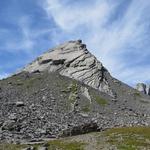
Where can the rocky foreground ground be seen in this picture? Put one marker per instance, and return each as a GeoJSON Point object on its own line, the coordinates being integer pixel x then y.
{"type": "Point", "coordinates": [133, 138]}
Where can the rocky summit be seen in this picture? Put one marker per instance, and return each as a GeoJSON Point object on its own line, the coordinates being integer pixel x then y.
{"type": "Point", "coordinates": [64, 92]}
{"type": "Point", "coordinates": [73, 60]}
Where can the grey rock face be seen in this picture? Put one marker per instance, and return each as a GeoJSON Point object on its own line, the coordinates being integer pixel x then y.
{"type": "Point", "coordinates": [143, 88]}
{"type": "Point", "coordinates": [148, 89]}
{"type": "Point", "coordinates": [85, 92]}
{"type": "Point", "coordinates": [72, 59]}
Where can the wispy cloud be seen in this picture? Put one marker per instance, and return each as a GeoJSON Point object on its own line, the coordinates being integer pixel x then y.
{"type": "Point", "coordinates": [21, 44]}
{"type": "Point", "coordinates": [117, 32]}
{"type": "Point", "coordinates": [23, 40]}
{"type": "Point", "coordinates": [3, 75]}
{"type": "Point", "coordinates": [25, 33]}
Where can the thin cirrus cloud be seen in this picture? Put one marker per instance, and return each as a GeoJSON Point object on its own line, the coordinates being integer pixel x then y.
{"type": "Point", "coordinates": [24, 41]}
{"type": "Point", "coordinates": [117, 32]}
{"type": "Point", "coordinates": [24, 34]}
{"type": "Point", "coordinates": [16, 46]}
{"type": "Point", "coordinates": [23, 38]}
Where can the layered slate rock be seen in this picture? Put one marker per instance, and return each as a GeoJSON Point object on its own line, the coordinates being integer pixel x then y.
{"type": "Point", "coordinates": [143, 88]}
{"type": "Point", "coordinates": [72, 59]}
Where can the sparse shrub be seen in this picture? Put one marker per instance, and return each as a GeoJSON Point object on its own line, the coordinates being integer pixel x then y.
{"type": "Point", "coordinates": [101, 101]}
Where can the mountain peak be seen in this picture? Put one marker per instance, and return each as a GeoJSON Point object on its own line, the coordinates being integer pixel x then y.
{"type": "Point", "coordinates": [72, 59]}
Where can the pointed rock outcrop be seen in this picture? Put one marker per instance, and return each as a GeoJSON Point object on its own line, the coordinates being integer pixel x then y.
{"type": "Point", "coordinates": [72, 59]}
{"type": "Point", "coordinates": [143, 88]}
{"type": "Point", "coordinates": [148, 89]}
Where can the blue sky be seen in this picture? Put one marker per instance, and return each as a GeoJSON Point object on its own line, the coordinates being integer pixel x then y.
{"type": "Point", "coordinates": [117, 32]}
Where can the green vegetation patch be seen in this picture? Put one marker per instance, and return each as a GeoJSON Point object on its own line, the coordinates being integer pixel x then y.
{"type": "Point", "coordinates": [52, 145]}
{"type": "Point", "coordinates": [131, 138]}
{"type": "Point", "coordinates": [74, 87]}
{"type": "Point", "coordinates": [31, 81]}
{"type": "Point", "coordinates": [25, 82]}
{"type": "Point", "coordinates": [137, 94]}
{"type": "Point", "coordinates": [64, 145]}
{"type": "Point", "coordinates": [73, 92]}
{"type": "Point", "coordinates": [11, 147]}
{"type": "Point", "coordinates": [101, 101]}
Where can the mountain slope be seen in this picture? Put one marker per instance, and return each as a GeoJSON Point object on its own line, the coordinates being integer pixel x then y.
{"type": "Point", "coordinates": [67, 92]}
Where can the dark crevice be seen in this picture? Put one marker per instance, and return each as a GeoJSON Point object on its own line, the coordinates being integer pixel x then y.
{"type": "Point", "coordinates": [58, 62]}
{"type": "Point", "coordinates": [45, 61]}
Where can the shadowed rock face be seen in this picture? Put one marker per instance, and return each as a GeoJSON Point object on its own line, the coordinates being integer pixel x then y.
{"type": "Point", "coordinates": [143, 88]}
{"type": "Point", "coordinates": [72, 59]}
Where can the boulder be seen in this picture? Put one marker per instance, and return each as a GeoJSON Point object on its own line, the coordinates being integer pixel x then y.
{"type": "Point", "coordinates": [20, 104]}
{"type": "Point", "coordinates": [81, 129]}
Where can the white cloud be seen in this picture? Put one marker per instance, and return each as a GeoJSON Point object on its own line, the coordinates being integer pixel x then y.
{"type": "Point", "coordinates": [3, 75]}
{"type": "Point", "coordinates": [108, 39]}
{"type": "Point", "coordinates": [68, 18]}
